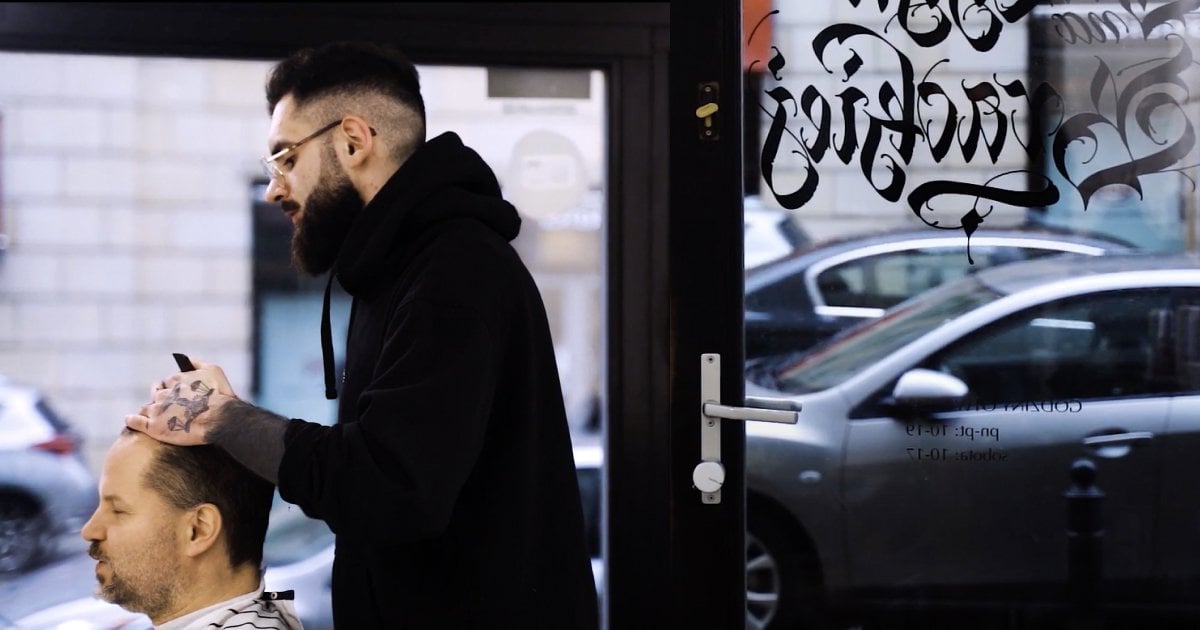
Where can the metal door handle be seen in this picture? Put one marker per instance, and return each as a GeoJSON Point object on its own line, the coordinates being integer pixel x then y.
{"type": "Point", "coordinates": [709, 474]}
{"type": "Point", "coordinates": [754, 412]}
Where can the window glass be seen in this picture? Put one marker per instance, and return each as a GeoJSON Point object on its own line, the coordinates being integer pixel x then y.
{"type": "Point", "coordinates": [1184, 324]}
{"type": "Point", "coordinates": [863, 346]}
{"type": "Point", "coordinates": [1102, 346]}
{"type": "Point", "coordinates": [885, 280]}
{"type": "Point", "coordinates": [787, 292]}
{"type": "Point", "coordinates": [997, 194]}
{"type": "Point", "coordinates": [134, 227]}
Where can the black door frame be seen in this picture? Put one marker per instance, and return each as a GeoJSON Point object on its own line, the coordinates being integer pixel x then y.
{"type": "Point", "coordinates": [706, 293]}
{"type": "Point", "coordinates": [673, 232]}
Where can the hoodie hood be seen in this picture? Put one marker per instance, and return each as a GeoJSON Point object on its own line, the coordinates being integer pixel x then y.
{"type": "Point", "coordinates": [442, 180]}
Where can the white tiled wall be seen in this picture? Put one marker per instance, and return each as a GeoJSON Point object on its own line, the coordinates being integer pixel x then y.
{"type": "Point", "coordinates": [126, 187]}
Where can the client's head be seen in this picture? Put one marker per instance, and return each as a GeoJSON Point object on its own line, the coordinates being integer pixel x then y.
{"type": "Point", "coordinates": [178, 528]}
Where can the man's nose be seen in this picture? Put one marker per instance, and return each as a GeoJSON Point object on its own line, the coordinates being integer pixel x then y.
{"type": "Point", "coordinates": [276, 190]}
{"type": "Point", "coordinates": [90, 530]}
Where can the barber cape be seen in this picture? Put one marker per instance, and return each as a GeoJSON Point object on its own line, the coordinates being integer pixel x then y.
{"type": "Point", "coordinates": [255, 610]}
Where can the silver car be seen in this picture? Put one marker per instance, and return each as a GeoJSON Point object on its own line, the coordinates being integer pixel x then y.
{"type": "Point", "coordinates": [46, 491]}
{"type": "Point", "coordinates": [934, 444]}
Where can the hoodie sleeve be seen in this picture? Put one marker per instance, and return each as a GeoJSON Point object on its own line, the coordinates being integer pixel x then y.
{"type": "Point", "coordinates": [395, 474]}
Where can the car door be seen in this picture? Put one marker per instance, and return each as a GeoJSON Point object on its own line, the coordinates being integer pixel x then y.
{"type": "Point", "coordinates": [1179, 551]}
{"type": "Point", "coordinates": [974, 496]}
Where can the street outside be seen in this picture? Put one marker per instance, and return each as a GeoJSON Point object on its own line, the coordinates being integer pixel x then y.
{"type": "Point", "coordinates": [68, 574]}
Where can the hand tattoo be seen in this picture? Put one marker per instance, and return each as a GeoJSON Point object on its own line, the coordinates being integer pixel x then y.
{"type": "Point", "coordinates": [175, 425]}
{"type": "Point", "coordinates": [192, 407]}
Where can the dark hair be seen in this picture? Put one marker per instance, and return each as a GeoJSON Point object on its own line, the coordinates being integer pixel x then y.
{"type": "Point", "coordinates": [345, 66]}
{"type": "Point", "coordinates": [186, 476]}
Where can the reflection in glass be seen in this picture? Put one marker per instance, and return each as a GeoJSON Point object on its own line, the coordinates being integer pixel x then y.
{"type": "Point", "coordinates": [863, 346]}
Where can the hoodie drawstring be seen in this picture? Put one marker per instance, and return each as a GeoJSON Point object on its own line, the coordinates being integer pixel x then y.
{"type": "Point", "coordinates": [327, 344]}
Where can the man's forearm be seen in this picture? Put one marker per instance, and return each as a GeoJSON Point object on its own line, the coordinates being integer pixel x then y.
{"type": "Point", "coordinates": [253, 436]}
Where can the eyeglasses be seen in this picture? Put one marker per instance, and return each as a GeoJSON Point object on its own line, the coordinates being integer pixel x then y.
{"type": "Point", "coordinates": [270, 163]}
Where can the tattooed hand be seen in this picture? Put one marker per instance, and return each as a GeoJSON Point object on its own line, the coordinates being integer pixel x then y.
{"type": "Point", "coordinates": [192, 407]}
{"type": "Point", "coordinates": [184, 408]}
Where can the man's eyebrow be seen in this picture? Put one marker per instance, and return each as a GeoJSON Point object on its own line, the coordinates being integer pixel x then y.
{"type": "Point", "coordinates": [111, 498]}
{"type": "Point", "coordinates": [280, 145]}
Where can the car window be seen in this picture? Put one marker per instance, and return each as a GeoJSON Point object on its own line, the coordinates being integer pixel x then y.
{"type": "Point", "coordinates": [1107, 345]}
{"type": "Point", "coordinates": [784, 295]}
{"type": "Point", "coordinates": [864, 345]}
{"type": "Point", "coordinates": [884, 280]}
{"type": "Point", "coordinates": [1185, 323]}
{"type": "Point", "coordinates": [52, 416]}
{"type": "Point", "coordinates": [1032, 253]}
{"type": "Point", "coordinates": [847, 284]}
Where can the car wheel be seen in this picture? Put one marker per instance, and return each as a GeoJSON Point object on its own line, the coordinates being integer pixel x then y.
{"type": "Point", "coordinates": [21, 533]}
{"type": "Point", "coordinates": [783, 583]}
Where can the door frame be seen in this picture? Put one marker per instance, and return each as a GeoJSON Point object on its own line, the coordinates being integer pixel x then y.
{"type": "Point", "coordinates": [705, 288]}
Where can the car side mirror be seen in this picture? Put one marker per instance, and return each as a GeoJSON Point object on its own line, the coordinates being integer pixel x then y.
{"type": "Point", "coordinates": [928, 390]}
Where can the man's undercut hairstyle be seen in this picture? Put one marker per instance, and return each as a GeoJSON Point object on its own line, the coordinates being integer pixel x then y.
{"type": "Point", "coordinates": [337, 78]}
{"type": "Point", "coordinates": [187, 476]}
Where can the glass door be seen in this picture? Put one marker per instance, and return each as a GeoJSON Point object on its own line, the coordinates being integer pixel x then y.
{"type": "Point", "coordinates": [988, 322]}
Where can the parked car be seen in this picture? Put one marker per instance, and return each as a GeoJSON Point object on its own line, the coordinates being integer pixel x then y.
{"type": "Point", "coordinates": [46, 489]}
{"type": "Point", "coordinates": [934, 444]}
{"type": "Point", "coordinates": [298, 553]}
{"type": "Point", "coordinates": [771, 232]}
{"type": "Point", "coordinates": [799, 300]}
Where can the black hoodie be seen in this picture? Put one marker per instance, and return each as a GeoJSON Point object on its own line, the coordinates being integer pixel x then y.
{"type": "Point", "coordinates": [448, 479]}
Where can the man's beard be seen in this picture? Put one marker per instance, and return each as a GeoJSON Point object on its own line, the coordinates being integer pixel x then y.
{"type": "Point", "coordinates": [142, 584]}
{"type": "Point", "coordinates": [324, 223]}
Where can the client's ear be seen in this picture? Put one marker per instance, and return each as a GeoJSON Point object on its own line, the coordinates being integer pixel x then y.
{"type": "Point", "coordinates": [204, 528]}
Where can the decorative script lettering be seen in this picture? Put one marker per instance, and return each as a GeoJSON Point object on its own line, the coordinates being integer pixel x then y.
{"type": "Point", "coordinates": [883, 124]}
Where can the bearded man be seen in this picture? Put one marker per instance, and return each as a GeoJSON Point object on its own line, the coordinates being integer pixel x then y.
{"type": "Point", "coordinates": [448, 480]}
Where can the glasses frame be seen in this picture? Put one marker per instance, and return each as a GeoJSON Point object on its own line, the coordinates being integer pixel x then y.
{"type": "Point", "coordinates": [269, 163]}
